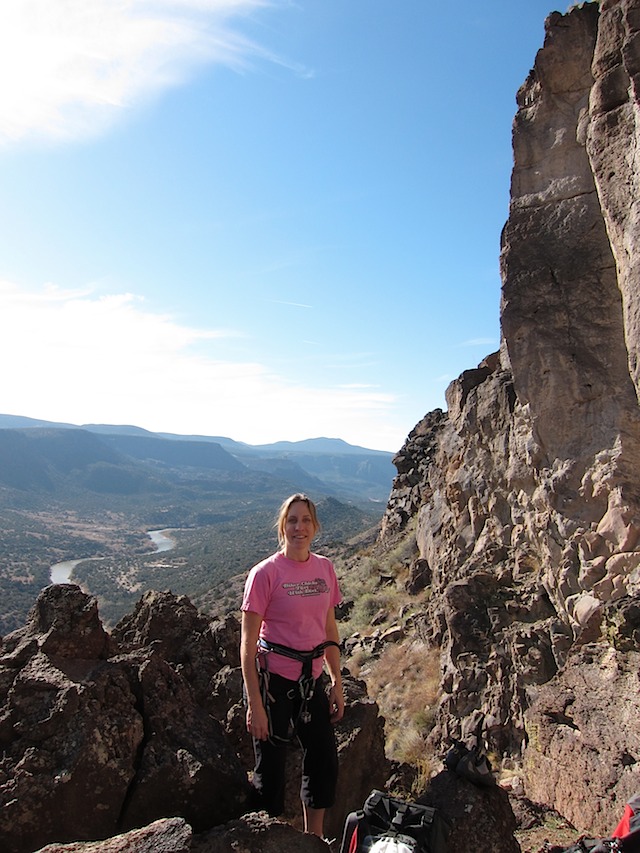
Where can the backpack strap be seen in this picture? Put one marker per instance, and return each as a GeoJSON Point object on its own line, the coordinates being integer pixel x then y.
{"type": "Point", "coordinates": [352, 835]}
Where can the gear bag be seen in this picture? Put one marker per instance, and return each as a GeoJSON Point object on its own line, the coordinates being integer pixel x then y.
{"type": "Point", "coordinates": [389, 825]}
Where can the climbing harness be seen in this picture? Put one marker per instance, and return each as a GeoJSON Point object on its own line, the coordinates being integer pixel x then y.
{"type": "Point", "coordinates": [306, 683]}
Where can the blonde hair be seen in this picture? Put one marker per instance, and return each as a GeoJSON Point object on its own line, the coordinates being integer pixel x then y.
{"type": "Point", "coordinates": [284, 512]}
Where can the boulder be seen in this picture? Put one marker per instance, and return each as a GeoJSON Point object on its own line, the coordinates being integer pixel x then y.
{"type": "Point", "coordinates": [64, 623]}
{"type": "Point", "coordinates": [478, 817]}
{"type": "Point", "coordinates": [94, 744]}
{"type": "Point", "coordinates": [257, 833]}
{"type": "Point", "coordinates": [253, 833]}
{"type": "Point", "coordinates": [71, 735]}
{"type": "Point", "coordinates": [169, 835]}
{"type": "Point", "coordinates": [582, 748]}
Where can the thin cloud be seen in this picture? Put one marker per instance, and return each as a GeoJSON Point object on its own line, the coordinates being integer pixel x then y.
{"type": "Point", "coordinates": [292, 304]}
{"type": "Point", "coordinates": [76, 66]}
{"type": "Point", "coordinates": [476, 342]}
{"type": "Point", "coordinates": [353, 385]}
{"type": "Point", "coordinates": [84, 358]}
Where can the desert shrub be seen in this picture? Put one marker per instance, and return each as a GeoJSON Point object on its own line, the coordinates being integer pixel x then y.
{"type": "Point", "coordinates": [365, 608]}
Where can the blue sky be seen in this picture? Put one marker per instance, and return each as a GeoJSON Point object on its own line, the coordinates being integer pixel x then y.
{"type": "Point", "coordinates": [263, 220]}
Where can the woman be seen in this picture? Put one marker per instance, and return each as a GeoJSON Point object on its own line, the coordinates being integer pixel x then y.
{"type": "Point", "coordinates": [289, 630]}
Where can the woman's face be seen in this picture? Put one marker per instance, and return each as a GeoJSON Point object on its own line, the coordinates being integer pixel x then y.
{"type": "Point", "coordinates": [299, 528]}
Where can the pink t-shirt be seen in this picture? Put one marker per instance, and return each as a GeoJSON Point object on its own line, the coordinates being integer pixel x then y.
{"type": "Point", "coordinates": [294, 600]}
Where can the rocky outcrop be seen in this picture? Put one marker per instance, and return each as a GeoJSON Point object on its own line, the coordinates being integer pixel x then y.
{"type": "Point", "coordinates": [96, 741]}
{"type": "Point", "coordinates": [197, 648]}
{"type": "Point", "coordinates": [206, 653]}
{"type": "Point", "coordinates": [526, 495]}
{"type": "Point", "coordinates": [411, 485]}
{"type": "Point", "coordinates": [108, 733]}
{"type": "Point", "coordinates": [257, 834]}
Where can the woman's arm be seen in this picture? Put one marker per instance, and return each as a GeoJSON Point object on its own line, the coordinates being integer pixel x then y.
{"type": "Point", "coordinates": [332, 658]}
{"type": "Point", "coordinates": [257, 722]}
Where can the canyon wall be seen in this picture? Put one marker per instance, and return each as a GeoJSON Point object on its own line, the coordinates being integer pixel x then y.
{"type": "Point", "coordinates": [525, 494]}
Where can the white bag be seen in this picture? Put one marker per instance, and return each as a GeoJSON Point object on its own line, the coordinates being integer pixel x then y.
{"type": "Point", "coordinates": [396, 844]}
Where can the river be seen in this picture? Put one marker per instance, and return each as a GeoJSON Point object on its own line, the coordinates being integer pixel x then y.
{"type": "Point", "coordinates": [61, 572]}
{"type": "Point", "coordinates": [161, 539]}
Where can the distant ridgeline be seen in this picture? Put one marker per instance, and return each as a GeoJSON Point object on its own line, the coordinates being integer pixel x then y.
{"type": "Point", "coordinates": [69, 492]}
{"type": "Point", "coordinates": [125, 459]}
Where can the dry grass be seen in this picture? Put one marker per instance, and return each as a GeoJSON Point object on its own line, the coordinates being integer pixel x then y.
{"type": "Point", "coordinates": [405, 682]}
{"type": "Point", "coordinates": [360, 580]}
{"type": "Point", "coordinates": [404, 679]}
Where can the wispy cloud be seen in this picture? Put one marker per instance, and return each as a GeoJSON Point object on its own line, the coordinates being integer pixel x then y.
{"type": "Point", "coordinates": [75, 66]}
{"type": "Point", "coordinates": [81, 357]}
{"type": "Point", "coordinates": [477, 342]}
{"type": "Point", "coordinates": [359, 385]}
{"type": "Point", "coordinates": [292, 304]}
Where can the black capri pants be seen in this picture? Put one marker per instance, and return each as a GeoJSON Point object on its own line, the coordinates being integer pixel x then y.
{"type": "Point", "coordinates": [316, 737]}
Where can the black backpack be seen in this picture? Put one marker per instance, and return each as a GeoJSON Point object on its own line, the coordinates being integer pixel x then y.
{"type": "Point", "coordinates": [419, 829]}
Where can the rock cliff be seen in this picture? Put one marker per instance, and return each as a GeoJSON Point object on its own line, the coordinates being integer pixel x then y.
{"type": "Point", "coordinates": [526, 493]}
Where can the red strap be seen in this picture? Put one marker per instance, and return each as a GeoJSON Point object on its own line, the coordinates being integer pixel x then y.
{"type": "Point", "coordinates": [624, 827]}
{"type": "Point", "coordinates": [353, 845]}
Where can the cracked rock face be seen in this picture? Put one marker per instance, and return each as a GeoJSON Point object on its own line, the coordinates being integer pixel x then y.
{"type": "Point", "coordinates": [526, 492]}
{"type": "Point", "coordinates": [583, 739]}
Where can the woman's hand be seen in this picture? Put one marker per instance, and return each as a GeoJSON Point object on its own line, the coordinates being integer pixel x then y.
{"type": "Point", "coordinates": [257, 723]}
{"type": "Point", "coordinates": [336, 703]}
{"type": "Point", "coordinates": [332, 659]}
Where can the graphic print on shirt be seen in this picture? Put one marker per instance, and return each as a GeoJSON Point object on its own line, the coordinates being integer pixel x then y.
{"type": "Point", "coordinates": [317, 586]}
